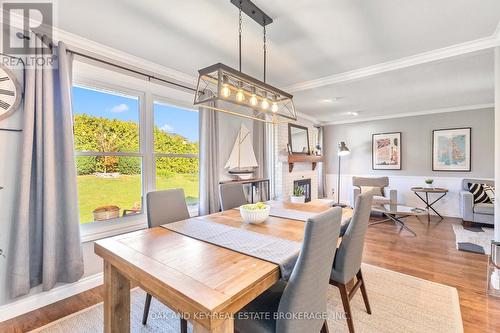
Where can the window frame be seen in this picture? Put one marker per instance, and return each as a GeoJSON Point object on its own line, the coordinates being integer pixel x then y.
{"type": "Point", "coordinates": [168, 102]}
{"type": "Point", "coordinates": [112, 81]}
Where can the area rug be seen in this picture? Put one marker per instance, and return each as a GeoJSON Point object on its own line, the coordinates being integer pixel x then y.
{"type": "Point", "coordinates": [399, 302]}
{"type": "Point", "coordinates": [473, 239]}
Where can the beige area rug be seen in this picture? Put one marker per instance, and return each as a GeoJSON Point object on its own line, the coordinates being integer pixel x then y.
{"type": "Point", "coordinates": [400, 303]}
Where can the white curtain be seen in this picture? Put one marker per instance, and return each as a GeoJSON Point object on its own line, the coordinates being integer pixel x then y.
{"type": "Point", "coordinates": [209, 161]}
{"type": "Point", "coordinates": [46, 245]}
{"type": "Point", "coordinates": [321, 166]}
{"type": "Point", "coordinates": [260, 149]}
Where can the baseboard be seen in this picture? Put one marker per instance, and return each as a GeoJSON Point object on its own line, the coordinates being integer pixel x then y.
{"type": "Point", "coordinates": [36, 301]}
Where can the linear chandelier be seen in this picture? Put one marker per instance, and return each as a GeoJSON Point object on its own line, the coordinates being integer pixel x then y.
{"type": "Point", "coordinates": [220, 84]}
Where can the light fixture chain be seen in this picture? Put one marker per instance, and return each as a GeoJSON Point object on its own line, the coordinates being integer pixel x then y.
{"type": "Point", "coordinates": [265, 51]}
{"type": "Point", "coordinates": [239, 35]}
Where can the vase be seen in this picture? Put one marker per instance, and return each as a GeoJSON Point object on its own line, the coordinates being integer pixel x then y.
{"type": "Point", "coordinates": [301, 199]}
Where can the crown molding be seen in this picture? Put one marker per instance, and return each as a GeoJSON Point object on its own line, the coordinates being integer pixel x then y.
{"type": "Point", "coordinates": [418, 59]}
{"type": "Point", "coordinates": [303, 116]}
{"type": "Point", "coordinates": [413, 114]}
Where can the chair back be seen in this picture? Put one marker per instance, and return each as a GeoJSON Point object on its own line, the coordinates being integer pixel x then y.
{"type": "Point", "coordinates": [166, 207]}
{"type": "Point", "coordinates": [350, 252]}
{"type": "Point", "coordinates": [306, 290]}
{"type": "Point", "coordinates": [466, 181]}
{"type": "Point", "coordinates": [232, 196]}
{"type": "Point", "coordinates": [370, 181]}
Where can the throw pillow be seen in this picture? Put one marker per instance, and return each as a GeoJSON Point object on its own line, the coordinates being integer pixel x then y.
{"type": "Point", "coordinates": [373, 190]}
{"type": "Point", "coordinates": [490, 192]}
{"type": "Point", "coordinates": [477, 191]}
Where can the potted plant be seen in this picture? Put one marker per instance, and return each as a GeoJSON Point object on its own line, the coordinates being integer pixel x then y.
{"type": "Point", "coordinates": [298, 195]}
{"type": "Point", "coordinates": [429, 183]}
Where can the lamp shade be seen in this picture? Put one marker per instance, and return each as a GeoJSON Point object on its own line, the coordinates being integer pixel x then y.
{"type": "Point", "coordinates": [343, 150]}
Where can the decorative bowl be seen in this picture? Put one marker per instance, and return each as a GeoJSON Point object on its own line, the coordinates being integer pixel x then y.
{"type": "Point", "coordinates": [255, 215]}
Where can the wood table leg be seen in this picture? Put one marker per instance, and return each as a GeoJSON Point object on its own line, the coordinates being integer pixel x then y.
{"type": "Point", "coordinates": [227, 326]}
{"type": "Point", "coordinates": [116, 301]}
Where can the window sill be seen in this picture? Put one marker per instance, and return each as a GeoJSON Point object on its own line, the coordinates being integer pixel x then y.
{"type": "Point", "coordinates": [98, 230]}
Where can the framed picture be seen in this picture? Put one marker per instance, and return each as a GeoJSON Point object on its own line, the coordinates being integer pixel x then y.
{"type": "Point", "coordinates": [451, 149]}
{"type": "Point", "coordinates": [386, 151]}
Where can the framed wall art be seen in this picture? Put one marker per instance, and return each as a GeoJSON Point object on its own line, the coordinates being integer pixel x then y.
{"type": "Point", "coordinates": [386, 151]}
{"type": "Point", "coordinates": [451, 149]}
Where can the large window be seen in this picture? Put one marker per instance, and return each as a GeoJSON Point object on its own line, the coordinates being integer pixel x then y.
{"type": "Point", "coordinates": [108, 154]}
{"type": "Point", "coordinates": [176, 150]}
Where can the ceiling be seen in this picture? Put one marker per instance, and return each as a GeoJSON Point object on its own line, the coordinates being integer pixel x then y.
{"type": "Point", "coordinates": [311, 40]}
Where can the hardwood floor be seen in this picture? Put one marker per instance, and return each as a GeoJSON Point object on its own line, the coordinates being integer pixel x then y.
{"type": "Point", "coordinates": [431, 256]}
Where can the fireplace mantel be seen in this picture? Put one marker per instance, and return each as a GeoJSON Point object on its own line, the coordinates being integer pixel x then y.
{"type": "Point", "coordinates": [296, 158]}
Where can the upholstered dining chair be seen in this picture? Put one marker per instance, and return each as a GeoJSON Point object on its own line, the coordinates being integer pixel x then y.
{"type": "Point", "coordinates": [378, 187]}
{"type": "Point", "coordinates": [231, 196]}
{"type": "Point", "coordinates": [165, 207]}
{"type": "Point", "coordinates": [305, 292]}
{"type": "Point", "coordinates": [347, 264]}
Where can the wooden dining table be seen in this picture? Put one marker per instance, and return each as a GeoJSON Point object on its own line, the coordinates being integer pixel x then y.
{"type": "Point", "coordinates": [206, 284]}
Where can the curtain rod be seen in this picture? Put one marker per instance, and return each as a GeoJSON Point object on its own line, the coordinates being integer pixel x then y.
{"type": "Point", "coordinates": [124, 67]}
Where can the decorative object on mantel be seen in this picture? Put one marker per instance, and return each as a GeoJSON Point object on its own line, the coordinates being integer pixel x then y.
{"type": "Point", "coordinates": [298, 195]}
{"type": "Point", "coordinates": [223, 83]}
{"type": "Point", "coordinates": [242, 160]}
{"type": "Point", "coordinates": [386, 151]}
{"type": "Point", "coordinates": [429, 183]}
{"type": "Point", "coordinates": [451, 149]}
{"type": "Point", "coordinates": [342, 151]}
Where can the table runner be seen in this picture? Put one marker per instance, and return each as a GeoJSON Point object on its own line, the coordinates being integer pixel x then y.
{"type": "Point", "coordinates": [279, 251]}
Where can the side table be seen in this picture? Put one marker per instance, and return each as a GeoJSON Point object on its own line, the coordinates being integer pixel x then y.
{"type": "Point", "coordinates": [428, 205]}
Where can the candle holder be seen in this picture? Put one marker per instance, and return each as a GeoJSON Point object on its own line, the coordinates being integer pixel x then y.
{"type": "Point", "coordinates": [494, 270]}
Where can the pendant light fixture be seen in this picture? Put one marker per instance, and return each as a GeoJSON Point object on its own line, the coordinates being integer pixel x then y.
{"type": "Point", "coordinates": [227, 86]}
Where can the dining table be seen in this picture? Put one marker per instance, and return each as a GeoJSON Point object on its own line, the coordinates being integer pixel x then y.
{"type": "Point", "coordinates": [204, 283]}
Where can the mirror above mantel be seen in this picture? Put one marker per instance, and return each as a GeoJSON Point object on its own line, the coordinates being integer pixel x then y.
{"type": "Point", "coordinates": [298, 147]}
{"type": "Point", "coordinates": [298, 139]}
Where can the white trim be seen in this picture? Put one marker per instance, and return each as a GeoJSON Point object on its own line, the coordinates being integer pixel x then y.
{"type": "Point", "coordinates": [418, 59]}
{"type": "Point", "coordinates": [412, 114]}
{"type": "Point", "coordinates": [36, 301]}
{"type": "Point", "coordinates": [497, 31]}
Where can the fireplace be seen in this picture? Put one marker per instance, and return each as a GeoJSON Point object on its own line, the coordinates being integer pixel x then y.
{"type": "Point", "coordinates": [306, 185]}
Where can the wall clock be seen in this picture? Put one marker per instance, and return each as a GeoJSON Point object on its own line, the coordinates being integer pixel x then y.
{"type": "Point", "coordinates": [10, 92]}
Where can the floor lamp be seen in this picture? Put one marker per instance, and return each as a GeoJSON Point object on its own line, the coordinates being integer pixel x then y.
{"type": "Point", "coordinates": [342, 151]}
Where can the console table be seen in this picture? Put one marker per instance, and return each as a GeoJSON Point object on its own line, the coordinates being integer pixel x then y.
{"type": "Point", "coordinates": [254, 183]}
{"type": "Point", "coordinates": [428, 205]}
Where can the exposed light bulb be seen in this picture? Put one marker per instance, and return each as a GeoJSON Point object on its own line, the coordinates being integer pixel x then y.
{"type": "Point", "coordinates": [253, 100]}
{"type": "Point", "coordinates": [225, 91]}
{"type": "Point", "coordinates": [274, 107]}
{"type": "Point", "coordinates": [265, 104]}
{"type": "Point", "coordinates": [240, 96]}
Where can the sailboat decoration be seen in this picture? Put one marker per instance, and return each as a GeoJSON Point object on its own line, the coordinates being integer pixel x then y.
{"type": "Point", "coordinates": [242, 160]}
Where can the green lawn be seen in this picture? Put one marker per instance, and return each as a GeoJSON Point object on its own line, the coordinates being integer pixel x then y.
{"type": "Point", "coordinates": [125, 191]}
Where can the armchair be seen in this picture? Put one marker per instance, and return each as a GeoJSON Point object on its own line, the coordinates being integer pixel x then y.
{"type": "Point", "coordinates": [471, 212]}
{"type": "Point", "coordinates": [377, 186]}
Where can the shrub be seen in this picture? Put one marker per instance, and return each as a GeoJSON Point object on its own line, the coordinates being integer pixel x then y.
{"type": "Point", "coordinates": [86, 165]}
{"type": "Point", "coordinates": [129, 165]}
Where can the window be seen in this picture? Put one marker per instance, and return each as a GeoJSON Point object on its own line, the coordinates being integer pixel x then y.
{"type": "Point", "coordinates": [176, 150]}
{"type": "Point", "coordinates": [108, 154]}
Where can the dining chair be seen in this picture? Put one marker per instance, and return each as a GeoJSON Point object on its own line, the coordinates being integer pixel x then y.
{"type": "Point", "coordinates": [305, 292]}
{"type": "Point", "coordinates": [347, 264]}
{"type": "Point", "coordinates": [231, 196]}
{"type": "Point", "coordinates": [165, 207]}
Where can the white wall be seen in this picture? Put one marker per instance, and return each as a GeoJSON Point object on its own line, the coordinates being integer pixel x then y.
{"type": "Point", "coordinates": [416, 154]}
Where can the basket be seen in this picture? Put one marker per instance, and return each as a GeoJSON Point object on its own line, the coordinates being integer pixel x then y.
{"type": "Point", "coordinates": [106, 213]}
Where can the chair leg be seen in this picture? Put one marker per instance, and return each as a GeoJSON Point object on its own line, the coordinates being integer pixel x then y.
{"type": "Point", "coordinates": [324, 328]}
{"type": "Point", "coordinates": [146, 309]}
{"type": "Point", "coordinates": [363, 292]}
{"type": "Point", "coordinates": [347, 308]}
{"type": "Point", "coordinates": [184, 326]}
